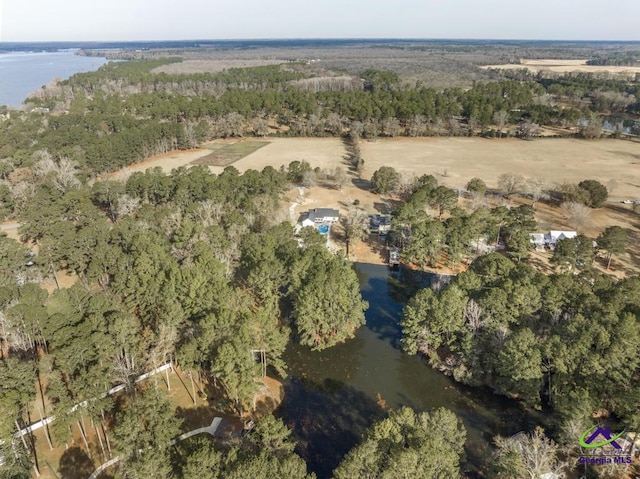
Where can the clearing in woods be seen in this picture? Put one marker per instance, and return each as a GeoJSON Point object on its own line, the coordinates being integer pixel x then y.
{"type": "Point", "coordinates": [453, 161]}
{"type": "Point", "coordinates": [566, 66]}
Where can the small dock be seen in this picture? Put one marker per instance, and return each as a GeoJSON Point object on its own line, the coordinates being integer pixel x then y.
{"type": "Point", "coordinates": [394, 258]}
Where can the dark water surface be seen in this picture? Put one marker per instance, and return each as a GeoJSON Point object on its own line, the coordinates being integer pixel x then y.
{"type": "Point", "coordinates": [332, 396]}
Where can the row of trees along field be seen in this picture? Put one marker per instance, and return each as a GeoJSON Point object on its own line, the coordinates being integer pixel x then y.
{"type": "Point", "coordinates": [123, 112]}
{"type": "Point", "coordinates": [189, 266]}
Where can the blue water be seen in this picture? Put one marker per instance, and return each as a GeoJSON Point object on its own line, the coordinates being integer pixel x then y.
{"type": "Point", "coordinates": [323, 229]}
{"type": "Point", "coordinates": [24, 72]}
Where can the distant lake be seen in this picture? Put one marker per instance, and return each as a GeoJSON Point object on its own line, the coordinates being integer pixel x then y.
{"type": "Point", "coordinates": [24, 72]}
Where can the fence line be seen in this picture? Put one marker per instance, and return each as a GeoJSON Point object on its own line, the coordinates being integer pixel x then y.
{"type": "Point", "coordinates": [43, 422]}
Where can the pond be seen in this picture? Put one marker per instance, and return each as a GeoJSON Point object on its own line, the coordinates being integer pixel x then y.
{"type": "Point", "coordinates": [332, 396]}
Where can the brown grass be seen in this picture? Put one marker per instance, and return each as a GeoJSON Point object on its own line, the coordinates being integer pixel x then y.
{"type": "Point", "coordinates": [454, 161]}
{"type": "Point", "coordinates": [566, 66]}
{"type": "Point", "coordinates": [226, 153]}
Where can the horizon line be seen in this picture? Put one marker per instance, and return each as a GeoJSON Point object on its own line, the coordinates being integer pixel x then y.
{"type": "Point", "coordinates": [275, 39]}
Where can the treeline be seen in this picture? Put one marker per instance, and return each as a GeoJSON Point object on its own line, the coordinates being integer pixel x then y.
{"type": "Point", "coordinates": [566, 341]}
{"type": "Point", "coordinates": [103, 121]}
{"type": "Point", "coordinates": [616, 59]}
{"type": "Point", "coordinates": [192, 267]}
{"type": "Point", "coordinates": [136, 76]}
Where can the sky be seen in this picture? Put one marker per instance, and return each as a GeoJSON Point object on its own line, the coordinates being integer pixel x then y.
{"type": "Point", "coordinates": [122, 20]}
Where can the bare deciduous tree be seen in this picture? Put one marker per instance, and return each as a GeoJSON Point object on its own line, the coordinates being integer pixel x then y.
{"type": "Point", "coordinates": [260, 127]}
{"type": "Point", "coordinates": [65, 179]}
{"type": "Point", "coordinates": [528, 129]}
{"type": "Point", "coordinates": [21, 193]}
{"type": "Point", "coordinates": [340, 177]}
{"type": "Point", "coordinates": [126, 205]}
{"type": "Point", "coordinates": [371, 129]}
{"type": "Point", "coordinates": [334, 123]}
{"type": "Point", "coordinates": [232, 124]}
{"type": "Point", "coordinates": [592, 130]}
{"type": "Point", "coordinates": [417, 125]}
{"type": "Point", "coordinates": [536, 188]}
{"type": "Point", "coordinates": [473, 316]}
{"type": "Point", "coordinates": [578, 215]}
{"type": "Point", "coordinates": [355, 130]}
{"type": "Point", "coordinates": [355, 226]}
{"type": "Point", "coordinates": [529, 455]}
{"type": "Point", "coordinates": [209, 213]}
{"type": "Point", "coordinates": [309, 178]}
{"type": "Point", "coordinates": [391, 127]}
{"type": "Point", "coordinates": [510, 182]}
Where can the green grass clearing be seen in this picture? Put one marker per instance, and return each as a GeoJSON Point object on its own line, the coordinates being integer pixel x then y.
{"type": "Point", "coordinates": [224, 154]}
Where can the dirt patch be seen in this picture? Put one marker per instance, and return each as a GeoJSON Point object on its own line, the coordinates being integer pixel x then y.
{"type": "Point", "coordinates": [167, 162]}
{"type": "Point", "coordinates": [322, 152]}
{"type": "Point", "coordinates": [66, 279]}
{"type": "Point", "coordinates": [566, 66]}
{"type": "Point", "coordinates": [10, 228]}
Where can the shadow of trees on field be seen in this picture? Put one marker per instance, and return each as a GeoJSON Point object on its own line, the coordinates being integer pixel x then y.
{"type": "Point", "coordinates": [378, 245]}
{"type": "Point", "coordinates": [195, 417]}
{"type": "Point", "coordinates": [382, 208]}
{"type": "Point", "coordinates": [327, 419]}
{"type": "Point", "coordinates": [75, 464]}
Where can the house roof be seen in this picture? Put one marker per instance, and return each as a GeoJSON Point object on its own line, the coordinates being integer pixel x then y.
{"type": "Point", "coordinates": [538, 239]}
{"type": "Point", "coordinates": [556, 234]}
{"type": "Point", "coordinates": [376, 220]}
{"type": "Point", "coordinates": [552, 237]}
{"type": "Point", "coordinates": [321, 213]}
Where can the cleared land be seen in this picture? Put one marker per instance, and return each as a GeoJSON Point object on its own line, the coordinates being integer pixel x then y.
{"type": "Point", "coordinates": [224, 154]}
{"type": "Point", "coordinates": [322, 152]}
{"type": "Point", "coordinates": [167, 162]}
{"type": "Point", "coordinates": [454, 161]}
{"type": "Point", "coordinates": [566, 66]}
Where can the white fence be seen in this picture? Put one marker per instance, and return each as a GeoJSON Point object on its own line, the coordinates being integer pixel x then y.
{"type": "Point", "coordinates": [40, 424]}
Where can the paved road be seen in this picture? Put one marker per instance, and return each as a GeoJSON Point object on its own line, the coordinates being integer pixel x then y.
{"type": "Point", "coordinates": [211, 430]}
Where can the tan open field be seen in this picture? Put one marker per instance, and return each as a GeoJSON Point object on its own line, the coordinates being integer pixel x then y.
{"type": "Point", "coordinates": [556, 160]}
{"type": "Point", "coordinates": [168, 161]}
{"type": "Point", "coordinates": [566, 66]}
{"type": "Point", "coordinates": [452, 160]}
